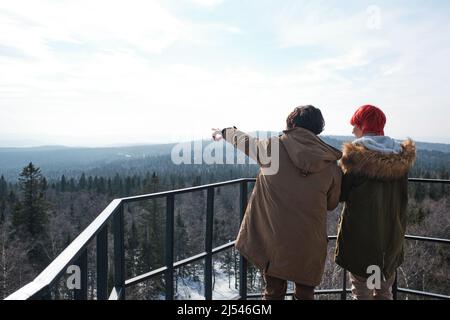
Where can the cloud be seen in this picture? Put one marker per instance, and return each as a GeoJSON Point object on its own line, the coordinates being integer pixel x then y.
{"type": "Point", "coordinates": [101, 72]}
{"type": "Point", "coordinates": [207, 3]}
{"type": "Point", "coordinates": [144, 25]}
{"type": "Point", "coordinates": [398, 64]}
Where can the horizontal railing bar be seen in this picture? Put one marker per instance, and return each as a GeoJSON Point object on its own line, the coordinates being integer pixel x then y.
{"type": "Point", "coordinates": [50, 274]}
{"type": "Point", "coordinates": [184, 190]}
{"type": "Point", "coordinates": [338, 291]}
{"type": "Point", "coordinates": [316, 292]}
{"type": "Point", "coordinates": [423, 293]}
{"type": "Point", "coordinates": [411, 237]}
{"type": "Point", "coordinates": [226, 246]}
{"type": "Point", "coordinates": [329, 291]}
{"type": "Point", "coordinates": [189, 260]}
{"type": "Point", "coordinates": [428, 239]}
{"type": "Point", "coordinates": [429, 180]}
{"type": "Point", "coordinates": [178, 264]}
{"type": "Point", "coordinates": [161, 270]}
{"type": "Point", "coordinates": [145, 276]}
{"type": "Point", "coordinates": [223, 247]}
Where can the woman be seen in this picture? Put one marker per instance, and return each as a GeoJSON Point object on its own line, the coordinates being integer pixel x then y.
{"type": "Point", "coordinates": [284, 228]}
{"type": "Point", "coordinates": [375, 192]}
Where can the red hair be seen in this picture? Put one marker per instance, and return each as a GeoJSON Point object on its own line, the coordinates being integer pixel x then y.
{"type": "Point", "coordinates": [369, 119]}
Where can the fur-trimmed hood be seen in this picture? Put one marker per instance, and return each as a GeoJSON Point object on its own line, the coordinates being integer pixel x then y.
{"type": "Point", "coordinates": [357, 159]}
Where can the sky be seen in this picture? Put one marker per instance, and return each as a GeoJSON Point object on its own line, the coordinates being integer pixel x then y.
{"type": "Point", "coordinates": [107, 72]}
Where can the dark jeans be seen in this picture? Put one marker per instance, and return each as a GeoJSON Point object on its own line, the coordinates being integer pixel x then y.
{"type": "Point", "coordinates": [275, 289]}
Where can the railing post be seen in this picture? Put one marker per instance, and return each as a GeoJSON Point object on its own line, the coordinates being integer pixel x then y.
{"type": "Point", "coordinates": [81, 294]}
{"type": "Point", "coordinates": [169, 246]}
{"type": "Point", "coordinates": [119, 252]}
{"type": "Point", "coordinates": [242, 261]}
{"type": "Point", "coordinates": [344, 285]}
{"type": "Point", "coordinates": [102, 264]}
{"type": "Point", "coordinates": [208, 243]}
{"type": "Point", "coordinates": [395, 286]}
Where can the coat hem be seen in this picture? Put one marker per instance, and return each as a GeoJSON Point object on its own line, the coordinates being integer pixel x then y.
{"type": "Point", "coordinates": [262, 267]}
{"type": "Point", "coordinates": [350, 269]}
{"type": "Point", "coordinates": [299, 281]}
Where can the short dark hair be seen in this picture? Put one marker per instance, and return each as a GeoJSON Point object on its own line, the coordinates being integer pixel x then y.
{"type": "Point", "coordinates": [308, 117]}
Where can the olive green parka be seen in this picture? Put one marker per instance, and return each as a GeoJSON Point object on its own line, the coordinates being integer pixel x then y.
{"type": "Point", "coordinates": [373, 221]}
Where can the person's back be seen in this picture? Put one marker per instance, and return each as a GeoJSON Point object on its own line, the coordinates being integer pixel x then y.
{"type": "Point", "coordinates": [373, 221]}
{"type": "Point", "coordinates": [284, 229]}
{"type": "Point", "coordinates": [290, 210]}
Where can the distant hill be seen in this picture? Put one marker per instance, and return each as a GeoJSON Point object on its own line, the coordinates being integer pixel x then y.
{"type": "Point", "coordinates": [55, 160]}
{"type": "Point", "coordinates": [60, 158]}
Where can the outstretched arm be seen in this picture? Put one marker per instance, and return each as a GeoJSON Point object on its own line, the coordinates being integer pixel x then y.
{"type": "Point", "coordinates": [257, 149]}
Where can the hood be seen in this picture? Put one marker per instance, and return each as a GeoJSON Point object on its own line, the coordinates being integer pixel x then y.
{"type": "Point", "coordinates": [307, 151]}
{"type": "Point", "coordinates": [359, 159]}
{"type": "Point", "coordinates": [381, 144]}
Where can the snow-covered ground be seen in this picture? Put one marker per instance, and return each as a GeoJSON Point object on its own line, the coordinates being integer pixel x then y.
{"type": "Point", "coordinates": [193, 289]}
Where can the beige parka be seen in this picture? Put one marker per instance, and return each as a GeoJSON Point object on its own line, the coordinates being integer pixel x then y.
{"type": "Point", "coordinates": [284, 228]}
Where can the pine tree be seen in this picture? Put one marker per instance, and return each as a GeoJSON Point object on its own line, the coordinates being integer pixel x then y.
{"type": "Point", "coordinates": [72, 186]}
{"type": "Point", "coordinates": [101, 185]}
{"type": "Point", "coordinates": [82, 182]}
{"type": "Point", "coordinates": [153, 243]}
{"type": "Point", "coordinates": [444, 187]}
{"type": "Point", "coordinates": [117, 186]}
{"type": "Point", "coordinates": [419, 191]}
{"type": "Point", "coordinates": [90, 184]}
{"type": "Point", "coordinates": [44, 184]}
{"type": "Point", "coordinates": [3, 188]}
{"type": "Point", "coordinates": [181, 238]}
{"type": "Point", "coordinates": [132, 251]}
{"type": "Point", "coordinates": [227, 266]}
{"type": "Point", "coordinates": [3, 198]}
{"type": "Point", "coordinates": [128, 186]}
{"type": "Point", "coordinates": [30, 215]}
{"type": "Point", "coordinates": [109, 187]}
{"type": "Point", "coordinates": [11, 198]}
{"type": "Point", "coordinates": [197, 181]}
{"type": "Point", "coordinates": [63, 184]}
{"type": "Point", "coordinates": [181, 246]}
{"type": "Point", "coordinates": [2, 211]}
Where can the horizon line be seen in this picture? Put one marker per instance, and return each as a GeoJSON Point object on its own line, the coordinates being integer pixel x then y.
{"type": "Point", "coordinates": [39, 145]}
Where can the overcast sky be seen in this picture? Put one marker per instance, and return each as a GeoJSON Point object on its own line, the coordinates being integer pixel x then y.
{"type": "Point", "coordinates": [102, 72]}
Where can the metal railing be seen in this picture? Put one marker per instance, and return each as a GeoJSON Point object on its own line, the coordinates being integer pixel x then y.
{"type": "Point", "coordinates": [76, 253]}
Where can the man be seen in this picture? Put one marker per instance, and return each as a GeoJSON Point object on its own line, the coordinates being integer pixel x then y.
{"type": "Point", "coordinates": [284, 228]}
{"type": "Point", "coordinates": [375, 192]}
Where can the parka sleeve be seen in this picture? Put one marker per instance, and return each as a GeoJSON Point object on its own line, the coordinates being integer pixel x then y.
{"type": "Point", "coordinates": [258, 150]}
{"type": "Point", "coordinates": [346, 186]}
{"type": "Point", "coordinates": [335, 189]}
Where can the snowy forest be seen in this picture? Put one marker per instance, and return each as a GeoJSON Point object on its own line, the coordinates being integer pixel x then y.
{"type": "Point", "coordinates": [41, 215]}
